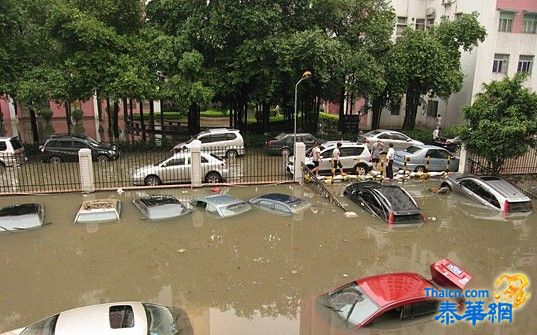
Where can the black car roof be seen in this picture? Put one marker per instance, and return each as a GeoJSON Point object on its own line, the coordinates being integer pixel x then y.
{"type": "Point", "coordinates": [396, 197]}
{"type": "Point", "coordinates": [79, 136]}
{"type": "Point", "coordinates": [23, 209]}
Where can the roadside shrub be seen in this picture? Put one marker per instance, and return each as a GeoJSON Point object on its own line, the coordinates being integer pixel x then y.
{"type": "Point", "coordinates": [214, 113]}
{"type": "Point", "coordinates": [77, 115]}
{"type": "Point", "coordinates": [45, 114]}
{"type": "Point", "coordinates": [422, 135]}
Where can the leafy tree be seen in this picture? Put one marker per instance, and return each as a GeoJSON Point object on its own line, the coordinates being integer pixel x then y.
{"type": "Point", "coordinates": [431, 60]}
{"type": "Point", "coordinates": [502, 121]}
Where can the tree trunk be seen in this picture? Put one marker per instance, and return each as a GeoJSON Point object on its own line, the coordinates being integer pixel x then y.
{"type": "Point", "coordinates": [99, 108]}
{"type": "Point", "coordinates": [193, 119]}
{"type": "Point", "coordinates": [411, 109]}
{"type": "Point", "coordinates": [142, 124]}
{"type": "Point", "coordinates": [115, 123]}
{"type": "Point", "coordinates": [265, 114]}
{"type": "Point", "coordinates": [68, 116]}
{"type": "Point", "coordinates": [33, 123]}
{"type": "Point", "coordinates": [376, 108]}
{"type": "Point", "coordinates": [230, 108]}
{"type": "Point", "coordinates": [111, 134]}
{"type": "Point", "coordinates": [125, 110]}
{"type": "Point", "coordinates": [341, 123]}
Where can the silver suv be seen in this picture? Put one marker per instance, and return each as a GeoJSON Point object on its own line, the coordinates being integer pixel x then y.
{"type": "Point", "coordinates": [354, 157]}
{"type": "Point", "coordinates": [178, 169]}
{"type": "Point", "coordinates": [221, 141]}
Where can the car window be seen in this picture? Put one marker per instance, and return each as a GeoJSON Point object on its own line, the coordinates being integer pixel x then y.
{"type": "Point", "coordinates": [231, 136]}
{"type": "Point", "coordinates": [385, 136]}
{"type": "Point", "coordinates": [412, 149]}
{"type": "Point", "coordinates": [204, 160]}
{"type": "Point", "coordinates": [309, 138]}
{"type": "Point", "coordinates": [419, 309]}
{"type": "Point", "coordinates": [43, 327]}
{"type": "Point", "coordinates": [399, 137]}
{"type": "Point", "coordinates": [218, 137]}
{"type": "Point", "coordinates": [15, 143]}
{"type": "Point", "coordinates": [78, 144]}
{"type": "Point", "coordinates": [121, 316]}
{"type": "Point", "coordinates": [176, 161]}
{"type": "Point", "coordinates": [205, 139]}
{"type": "Point", "coordinates": [371, 201]}
{"type": "Point", "coordinates": [52, 144]}
{"type": "Point", "coordinates": [3, 146]}
{"type": "Point", "coordinates": [351, 151]}
{"type": "Point", "coordinates": [327, 153]}
{"type": "Point", "coordinates": [443, 154]}
{"type": "Point", "coordinates": [481, 192]}
{"type": "Point", "coordinates": [266, 204]}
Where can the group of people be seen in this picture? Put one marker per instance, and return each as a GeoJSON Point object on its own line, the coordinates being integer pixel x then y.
{"type": "Point", "coordinates": [377, 149]}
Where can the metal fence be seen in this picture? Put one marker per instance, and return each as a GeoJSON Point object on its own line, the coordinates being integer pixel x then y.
{"type": "Point", "coordinates": [148, 168]}
{"type": "Point", "coordinates": [526, 164]}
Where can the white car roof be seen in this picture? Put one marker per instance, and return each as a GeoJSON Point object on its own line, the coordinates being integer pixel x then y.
{"type": "Point", "coordinates": [99, 205]}
{"type": "Point", "coordinates": [222, 130]}
{"type": "Point", "coordinates": [95, 319]}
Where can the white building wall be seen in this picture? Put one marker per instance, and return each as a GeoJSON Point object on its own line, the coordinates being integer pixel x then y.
{"type": "Point", "coordinates": [476, 65]}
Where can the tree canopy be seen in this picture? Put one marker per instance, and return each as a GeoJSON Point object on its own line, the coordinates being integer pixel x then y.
{"type": "Point", "coordinates": [502, 121]}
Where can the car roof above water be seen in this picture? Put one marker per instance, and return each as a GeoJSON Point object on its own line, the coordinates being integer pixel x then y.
{"type": "Point", "coordinates": [280, 197]}
{"type": "Point", "coordinates": [219, 199]}
{"type": "Point", "coordinates": [20, 217]}
{"type": "Point", "coordinates": [500, 185]}
{"type": "Point", "coordinates": [394, 287]}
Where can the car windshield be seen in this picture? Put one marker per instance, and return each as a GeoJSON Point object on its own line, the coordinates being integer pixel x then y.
{"type": "Point", "coordinates": [165, 321]}
{"type": "Point", "coordinates": [97, 217]}
{"type": "Point", "coordinates": [20, 217]}
{"type": "Point", "coordinates": [43, 327]}
{"type": "Point", "coordinates": [372, 133]}
{"type": "Point", "coordinates": [298, 203]}
{"type": "Point", "coordinates": [93, 142]}
{"type": "Point", "coordinates": [234, 209]}
{"type": "Point", "coordinates": [412, 149]}
{"type": "Point", "coordinates": [15, 143]}
{"type": "Point", "coordinates": [352, 304]}
{"type": "Point", "coordinates": [167, 211]}
{"type": "Point", "coordinates": [190, 140]}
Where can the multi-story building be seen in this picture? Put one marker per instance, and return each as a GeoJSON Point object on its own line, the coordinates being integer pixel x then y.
{"type": "Point", "coordinates": [510, 47]}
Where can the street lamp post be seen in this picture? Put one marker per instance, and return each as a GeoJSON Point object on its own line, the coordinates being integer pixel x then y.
{"type": "Point", "coordinates": [306, 75]}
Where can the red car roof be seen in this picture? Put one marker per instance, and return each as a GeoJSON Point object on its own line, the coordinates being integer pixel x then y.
{"type": "Point", "coordinates": [391, 288]}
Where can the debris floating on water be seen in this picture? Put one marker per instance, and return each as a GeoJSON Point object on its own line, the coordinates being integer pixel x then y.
{"type": "Point", "coordinates": [180, 250]}
{"type": "Point", "coordinates": [350, 215]}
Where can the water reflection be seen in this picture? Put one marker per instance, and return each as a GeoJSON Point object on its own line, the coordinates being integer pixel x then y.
{"type": "Point", "coordinates": [254, 273]}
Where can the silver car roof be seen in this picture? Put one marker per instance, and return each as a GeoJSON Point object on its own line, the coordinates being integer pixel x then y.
{"type": "Point", "coordinates": [505, 188]}
{"type": "Point", "coordinates": [219, 199]}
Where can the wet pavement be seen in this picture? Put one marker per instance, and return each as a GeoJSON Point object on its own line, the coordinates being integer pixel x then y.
{"type": "Point", "coordinates": [256, 273]}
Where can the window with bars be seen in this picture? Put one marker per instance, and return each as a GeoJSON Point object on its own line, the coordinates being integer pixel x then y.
{"type": "Point", "coordinates": [430, 22]}
{"type": "Point", "coordinates": [530, 23]}
{"type": "Point", "coordinates": [500, 63]}
{"type": "Point", "coordinates": [525, 63]}
{"type": "Point", "coordinates": [395, 108]}
{"type": "Point", "coordinates": [506, 21]}
{"type": "Point", "coordinates": [401, 25]}
{"type": "Point", "coordinates": [420, 24]}
{"type": "Point", "coordinates": [432, 108]}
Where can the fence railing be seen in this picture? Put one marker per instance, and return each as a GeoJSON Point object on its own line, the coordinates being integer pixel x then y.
{"type": "Point", "coordinates": [148, 168]}
{"type": "Point", "coordinates": [525, 164]}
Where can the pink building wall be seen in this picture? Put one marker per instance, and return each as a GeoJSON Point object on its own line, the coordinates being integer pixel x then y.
{"type": "Point", "coordinates": [58, 111]}
{"type": "Point", "coordinates": [518, 6]}
{"type": "Point", "coordinates": [4, 107]}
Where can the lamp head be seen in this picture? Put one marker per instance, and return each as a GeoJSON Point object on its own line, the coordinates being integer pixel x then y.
{"type": "Point", "coordinates": [306, 75]}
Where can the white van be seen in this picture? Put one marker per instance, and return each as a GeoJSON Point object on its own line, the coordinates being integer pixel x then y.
{"type": "Point", "coordinates": [221, 141]}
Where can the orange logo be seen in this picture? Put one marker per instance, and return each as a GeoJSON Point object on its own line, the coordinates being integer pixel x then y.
{"type": "Point", "coordinates": [510, 288]}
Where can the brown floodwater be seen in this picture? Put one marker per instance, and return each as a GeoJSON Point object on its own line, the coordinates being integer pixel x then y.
{"type": "Point", "coordinates": [256, 273]}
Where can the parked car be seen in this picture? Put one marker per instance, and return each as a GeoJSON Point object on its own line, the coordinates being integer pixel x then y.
{"type": "Point", "coordinates": [491, 191]}
{"type": "Point", "coordinates": [178, 168]}
{"type": "Point", "coordinates": [222, 205]}
{"type": "Point", "coordinates": [390, 203]}
{"type": "Point", "coordinates": [221, 141]}
{"type": "Point", "coordinates": [354, 157]}
{"type": "Point", "coordinates": [158, 207]}
{"type": "Point", "coordinates": [395, 295]}
{"type": "Point", "coordinates": [278, 203]}
{"type": "Point", "coordinates": [98, 211]}
{"type": "Point", "coordinates": [283, 143]}
{"type": "Point", "coordinates": [11, 152]}
{"type": "Point", "coordinates": [417, 154]}
{"type": "Point", "coordinates": [21, 217]}
{"type": "Point", "coordinates": [399, 140]}
{"type": "Point", "coordinates": [64, 148]}
{"type": "Point", "coordinates": [121, 318]}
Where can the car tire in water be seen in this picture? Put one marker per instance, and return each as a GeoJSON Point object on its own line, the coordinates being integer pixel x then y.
{"type": "Point", "coordinates": [232, 154]}
{"type": "Point", "coordinates": [213, 177]}
{"type": "Point", "coordinates": [55, 160]}
{"type": "Point", "coordinates": [285, 152]}
{"type": "Point", "coordinates": [420, 169]}
{"type": "Point", "coordinates": [360, 169]}
{"type": "Point", "coordinates": [102, 158]}
{"type": "Point", "coordinates": [152, 180]}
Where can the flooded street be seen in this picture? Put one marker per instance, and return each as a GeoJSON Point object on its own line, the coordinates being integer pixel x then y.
{"type": "Point", "coordinates": [256, 273]}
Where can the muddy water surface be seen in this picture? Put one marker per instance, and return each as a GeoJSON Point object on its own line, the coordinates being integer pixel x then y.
{"type": "Point", "coordinates": [256, 273]}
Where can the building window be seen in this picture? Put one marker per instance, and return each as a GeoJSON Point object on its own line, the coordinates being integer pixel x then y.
{"type": "Point", "coordinates": [530, 23]}
{"type": "Point", "coordinates": [525, 63]}
{"type": "Point", "coordinates": [395, 108]}
{"type": "Point", "coordinates": [401, 25]}
{"type": "Point", "coordinates": [420, 24]}
{"type": "Point", "coordinates": [444, 18]}
{"type": "Point", "coordinates": [430, 22]}
{"type": "Point", "coordinates": [500, 63]}
{"type": "Point", "coordinates": [432, 108]}
{"type": "Point", "coordinates": [458, 15]}
{"type": "Point", "coordinates": [506, 21]}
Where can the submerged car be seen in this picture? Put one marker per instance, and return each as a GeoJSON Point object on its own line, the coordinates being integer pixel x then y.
{"type": "Point", "coordinates": [21, 217]}
{"type": "Point", "coordinates": [400, 295]}
{"type": "Point", "coordinates": [159, 207]}
{"type": "Point", "coordinates": [178, 169]}
{"type": "Point", "coordinates": [416, 159]}
{"type": "Point", "coordinates": [390, 203]}
{"type": "Point", "coordinates": [279, 203]}
{"type": "Point", "coordinates": [222, 205]}
{"type": "Point", "coordinates": [491, 191]}
{"type": "Point", "coordinates": [121, 318]}
{"type": "Point", "coordinates": [101, 210]}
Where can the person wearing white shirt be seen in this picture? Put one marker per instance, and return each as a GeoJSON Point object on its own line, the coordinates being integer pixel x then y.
{"type": "Point", "coordinates": [390, 156]}
{"type": "Point", "coordinates": [436, 133]}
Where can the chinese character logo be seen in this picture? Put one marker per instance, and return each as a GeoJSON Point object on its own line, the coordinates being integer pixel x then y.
{"type": "Point", "coordinates": [513, 291]}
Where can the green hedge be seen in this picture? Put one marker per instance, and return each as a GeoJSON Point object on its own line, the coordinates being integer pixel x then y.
{"type": "Point", "coordinates": [214, 113]}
